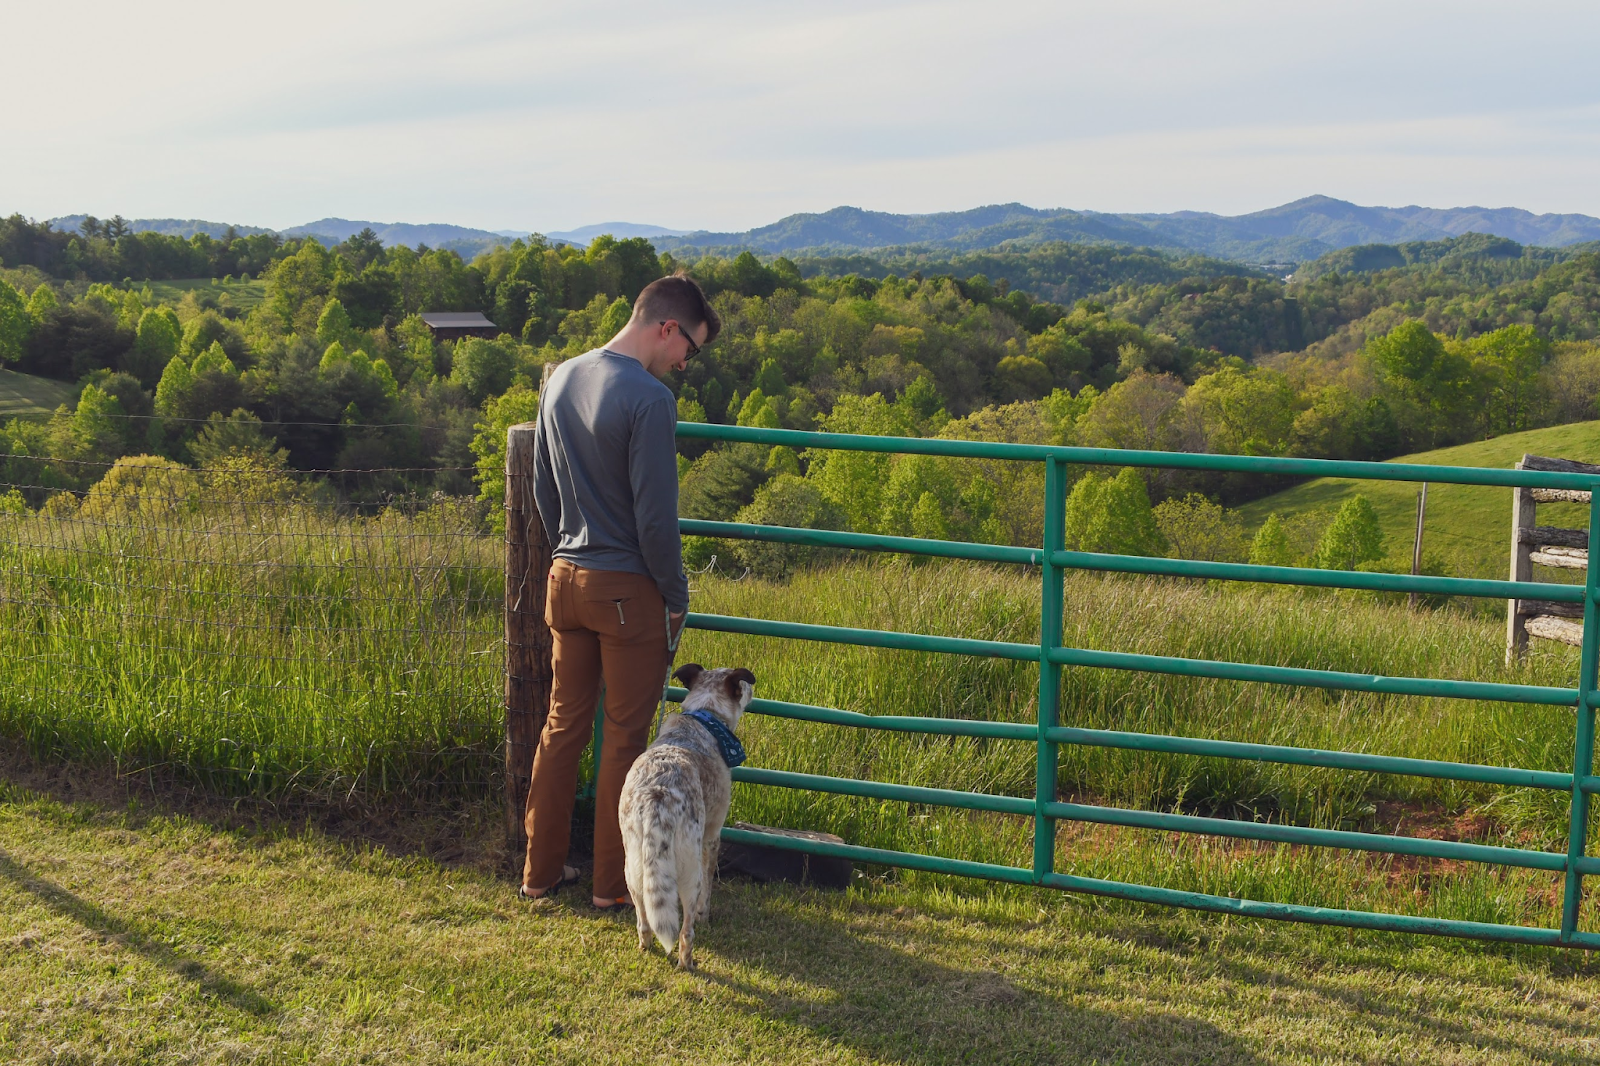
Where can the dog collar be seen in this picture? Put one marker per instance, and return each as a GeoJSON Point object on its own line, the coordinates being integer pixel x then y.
{"type": "Point", "coordinates": [727, 743]}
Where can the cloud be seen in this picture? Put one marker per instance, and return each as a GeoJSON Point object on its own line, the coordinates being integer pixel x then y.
{"type": "Point", "coordinates": [723, 116]}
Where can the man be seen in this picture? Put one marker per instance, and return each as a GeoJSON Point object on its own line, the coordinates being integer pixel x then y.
{"type": "Point", "coordinates": [606, 485]}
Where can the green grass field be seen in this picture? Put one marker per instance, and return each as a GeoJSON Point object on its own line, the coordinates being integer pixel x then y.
{"type": "Point", "coordinates": [281, 650]}
{"type": "Point", "coordinates": [241, 294]}
{"type": "Point", "coordinates": [28, 396]}
{"type": "Point", "coordinates": [137, 930]}
{"type": "Point", "coordinates": [1469, 526]}
{"type": "Point", "coordinates": [254, 646]}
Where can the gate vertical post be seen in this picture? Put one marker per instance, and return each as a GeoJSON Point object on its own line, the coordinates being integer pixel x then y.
{"type": "Point", "coordinates": [1583, 746]}
{"type": "Point", "coordinates": [1523, 511]}
{"type": "Point", "coordinates": [1050, 608]}
{"type": "Point", "coordinates": [528, 641]}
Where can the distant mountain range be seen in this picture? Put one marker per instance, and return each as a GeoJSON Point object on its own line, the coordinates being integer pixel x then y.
{"type": "Point", "coordinates": [619, 230]}
{"type": "Point", "coordinates": [172, 227]}
{"type": "Point", "coordinates": [462, 239]}
{"type": "Point", "coordinates": [1293, 233]}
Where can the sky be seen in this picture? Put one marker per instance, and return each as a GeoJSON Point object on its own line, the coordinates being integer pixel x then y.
{"type": "Point", "coordinates": [723, 116]}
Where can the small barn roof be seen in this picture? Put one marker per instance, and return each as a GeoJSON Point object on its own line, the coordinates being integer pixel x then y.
{"type": "Point", "coordinates": [457, 320]}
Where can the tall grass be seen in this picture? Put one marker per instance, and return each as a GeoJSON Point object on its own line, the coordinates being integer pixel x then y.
{"type": "Point", "coordinates": [1337, 631]}
{"type": "Point", "coordinates": [267, 646]}
{"type": "Point", "coordinates": [283, 647]}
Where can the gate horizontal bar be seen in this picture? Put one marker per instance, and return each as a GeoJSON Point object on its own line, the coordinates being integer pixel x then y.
{"type": "Point", "coordinates": [1294, 912]}
{"type": "Point", "coordinates": [1334, 679]}
{"type": "Point", "coordinates": [899, 723]}
{"type": "Point", "coordinates": [1299, 834]}
{"type": "Point", "coordinates": [849, 786]}
{"type": "Point", "coordinates": [1299, 575]}
{"type": "Point", "coordinates": [871, 638]}
{"type": "Point", "coordinates": [906, 860]}
{"type": "Point", "coordinates": [1257, 464]}
{"type": "Point", "coordinates": [1160, 664]}
{"type": "Point", "coordinates": [833, 538]}
{"type": "Point", "coordinates": [1335, 760]}
{"type": "Point", "coordinates": [1133, 564]}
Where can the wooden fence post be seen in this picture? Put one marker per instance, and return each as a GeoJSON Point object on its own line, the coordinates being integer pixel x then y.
{"type": "Point", "coordinates": [1416, 543]}
{"type": "Point", "coordinates": [528, 642]}
{"type": "Point", "coordinates": [1523, 509]}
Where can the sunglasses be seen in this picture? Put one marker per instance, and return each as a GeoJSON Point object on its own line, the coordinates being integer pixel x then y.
{"type": "Point", "coordinates": [694, 349]}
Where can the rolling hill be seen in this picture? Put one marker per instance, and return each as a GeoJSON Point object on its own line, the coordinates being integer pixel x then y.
{"type": "Point", "coordinates": [27, 396]}
{"type": "Point", "coordinates": [1469, 526]}
{"type": "Point", "coordinates": [1291, 233]}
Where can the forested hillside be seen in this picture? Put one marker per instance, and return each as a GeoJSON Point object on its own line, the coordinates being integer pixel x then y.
{"type": "Point", "coordinates": [322, 362]}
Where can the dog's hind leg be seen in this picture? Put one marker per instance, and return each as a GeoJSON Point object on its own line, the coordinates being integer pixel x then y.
{"type": "Point", "coordinates": [708, 874]}
{"type": "Point", "coordinates": [686, 944]}
{"type": "Point", "coordinates": [687, 856]}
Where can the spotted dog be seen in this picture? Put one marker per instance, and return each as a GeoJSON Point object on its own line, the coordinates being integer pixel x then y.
{"type": "Point", "coordinates": [674, 802]}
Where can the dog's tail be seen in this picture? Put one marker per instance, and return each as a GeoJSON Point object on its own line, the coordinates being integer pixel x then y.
{"type": "Point", "coordinates": [670, 875]}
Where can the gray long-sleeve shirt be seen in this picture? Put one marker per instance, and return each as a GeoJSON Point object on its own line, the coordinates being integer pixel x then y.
{"type": "Point", "coordinates": [606, 470]}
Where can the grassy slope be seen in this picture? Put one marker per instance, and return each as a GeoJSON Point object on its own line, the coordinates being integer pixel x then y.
{"type": "Point", "coordinates": [27, 396]}
{"type": "Point", "coordinates": [137, 934]}
{"type": "Point", "coordinates": [1469, 526]}
{"type": "Point", "coordinates": [242, 294]}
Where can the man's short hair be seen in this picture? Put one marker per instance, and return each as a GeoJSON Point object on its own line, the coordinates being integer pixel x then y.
{"type": "Point", "coordinates": [679, 298]}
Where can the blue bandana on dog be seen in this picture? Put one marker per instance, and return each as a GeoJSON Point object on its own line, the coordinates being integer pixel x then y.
{"type": "Point", "coordinates": [732, 750]}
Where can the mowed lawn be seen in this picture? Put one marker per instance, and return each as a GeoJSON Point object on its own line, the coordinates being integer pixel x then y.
{"type": "Point", "coordinates": [29, 396]}
{"type": "Point", "coordinates": [132, 932]}
{"type": "Point", "coordinates": [241, 294]}
{"type": "Point", "coordinates": [1470, 526]}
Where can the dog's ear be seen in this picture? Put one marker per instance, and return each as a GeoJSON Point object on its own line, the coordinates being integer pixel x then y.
{"type": "Point", "coordinates": [688, 672]}
{"type": "Point", "coordinates": [737, 676]}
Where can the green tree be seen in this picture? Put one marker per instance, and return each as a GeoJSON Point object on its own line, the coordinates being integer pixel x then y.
{"type": "Point", "coordinates": [786, 500]}
{"type": "Point", "coordinates": [158, 339]}
{"type": "Point", "coordinates": [1355, 537]}
{"type": "Point", "coordinates": [1271, 546]}
{"type": "Point", "coordinates": [1512, 358]}
{"type": "Point", "coordinates": [333, 325]}
{"type": "Point", "coordinates": [483, 368]}
{"type": "Point", "coordinates": [1244, 412]}
{"type": "Point", "coordinates": [757, 411]}
{"type": "Point", "coordinates": [15, 323]}
{"type": "Point", "coordinates": [235, 436]}
{"type": "Point", "coordinates": [1112, 515]}
{"type": "Point", "coordinates": [690, 410]}
{"type": "Point", "coordinates": [1197, 528]}
{"type": "Point", "coordinates": [97, 431]}
{"type": "Point", "coordinates": [769, 379]}
{"type": "Point", "coordinates": [1433, 381]}
{"type": "Point", "coordinates": [516, 405]}
{"type": "Point", "coordinates": [42, 302]}
{"type": "Point", "coordinates": [173, 391]}
{"type": "Point", "coordinates": [616, 316]}
{"type": "Point", "coordinates": [853, 481]}
{"type": "Point", "coordinates": [1021, 377]}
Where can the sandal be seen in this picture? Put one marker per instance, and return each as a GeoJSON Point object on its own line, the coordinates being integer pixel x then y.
{"type": "Point", "coordinates": [569, 875]}
{"type": "Point", "coordinates": [621, 903]}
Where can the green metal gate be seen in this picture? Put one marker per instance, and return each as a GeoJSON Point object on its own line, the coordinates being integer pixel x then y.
{"type": "Point", "coordinates": [1050, 656]}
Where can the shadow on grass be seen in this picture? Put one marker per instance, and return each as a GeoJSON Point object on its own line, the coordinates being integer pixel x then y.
{"type": "Point", "coordinates": [451, 832]}
{"type": "Point", "coordinates": [113, 930]}
{"type": "Point", "coordinates": [840, 981]}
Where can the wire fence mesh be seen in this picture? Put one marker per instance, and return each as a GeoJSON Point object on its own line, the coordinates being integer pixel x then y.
{"type": "Point", "coordinates": [333, 632]}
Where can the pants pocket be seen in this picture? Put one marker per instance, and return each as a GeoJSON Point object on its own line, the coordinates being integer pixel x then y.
{"type": "Point", "coordinates": [558, 601]}
{"type": "Point", "coordinates": [614, 603]}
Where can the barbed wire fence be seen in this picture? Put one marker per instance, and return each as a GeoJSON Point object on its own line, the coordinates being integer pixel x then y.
{"type": "Point", "coordinates": [327, 634]}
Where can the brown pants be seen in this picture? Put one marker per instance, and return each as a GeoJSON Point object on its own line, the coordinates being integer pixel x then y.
{"type": "Point", "coordinates": [611, 626]}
